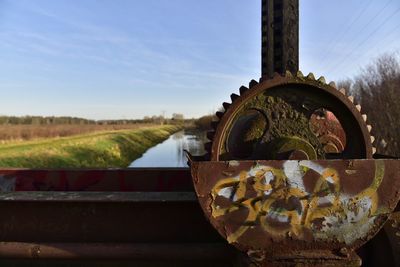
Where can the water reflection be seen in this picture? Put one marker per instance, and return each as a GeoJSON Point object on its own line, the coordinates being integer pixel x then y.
{"type": "Point", "coordinates": [170, 153]}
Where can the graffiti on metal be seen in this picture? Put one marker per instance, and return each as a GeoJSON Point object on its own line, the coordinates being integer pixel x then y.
{"type": "Point", "coordinates": [278, 201]}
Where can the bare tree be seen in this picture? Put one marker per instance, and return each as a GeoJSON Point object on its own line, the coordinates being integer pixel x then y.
{"type": "Point", "coordinates": [377, 88]}
{"type": "Point", "coordinates": [346, 84]}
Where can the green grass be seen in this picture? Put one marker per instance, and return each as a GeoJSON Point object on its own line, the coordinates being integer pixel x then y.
{"type": "Point", "coordinates": [112, 149]}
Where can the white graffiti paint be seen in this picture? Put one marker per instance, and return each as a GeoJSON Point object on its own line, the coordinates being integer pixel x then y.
{"type": "Point", "coordinates": [226, 192]}
{"type": "Point", "coordinates": [268, 178]}
{"type": "Point", "coordinates": [327, 200]}
{"type": "Point", "coordinates": [294, 174]}
{"type": "Point", "coordinates": [355, 224]}
{"type": "Point", "coordinates": [345, 230]}
{"type": "Point", "coordinates": [278, 217]}
{"type": "Point", "coordinates": [312, 165]}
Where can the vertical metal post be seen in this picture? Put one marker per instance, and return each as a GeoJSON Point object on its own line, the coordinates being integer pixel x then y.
{"type": "Point", "coordinates": [280, 36]}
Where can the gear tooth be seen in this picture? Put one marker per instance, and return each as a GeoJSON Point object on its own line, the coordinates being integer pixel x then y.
{"type": "Point", "coordinates": [311, 76]}
{"type": "Point", "coordinates": [234, 97]}
{"type": "Point", "coordinates": [219, 114]}
{"type": "Point", "coordinates": [351, 98]}
{"type": "Point", "coordinates": [226, 105]}
{"type": "Point", "coordinates": [322, 80]}
{"type": "Point", "coordinates": [358, 107]}
{"type": "Point", "coordinates": [372, 139]}
{"type": "Point", "coordinates": [373, 150]}
{"type": "Point", "coordinates": [214, 124]}
{"type": "Point", "coordinates": [243, 89]}
{"type": "Point", "coordinates": [369, 127]}
{"type": "Point", "coordinates": [300, 75]}
{"type": "Point", "coordinates": [276, 75]}
{"type": "Point", "coordinates": [253, 83]}
{"type": "Point", "coordinates": [333, 84]}
{"type": "Point", "coordinates": [364, 116]}
{"type": "Point", "coordinates": [288, 74]}
{"type": "Point", "coordinates": [343, 91]}
{"type": "Point", "coordinates": [210, 135]}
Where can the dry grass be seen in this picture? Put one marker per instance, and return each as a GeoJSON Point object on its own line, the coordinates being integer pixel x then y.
{"type": "Point", "coordinates": [12, 133]}
{"type": "Point", "coordinates": [105, 149]}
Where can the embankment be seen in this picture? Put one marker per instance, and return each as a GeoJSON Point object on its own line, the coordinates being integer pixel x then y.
{"type": "Point", "coordinates": [97, 150]}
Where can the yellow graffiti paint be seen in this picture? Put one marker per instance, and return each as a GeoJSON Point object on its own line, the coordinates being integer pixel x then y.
{"type": "Point", "coordinates": [275, 198]}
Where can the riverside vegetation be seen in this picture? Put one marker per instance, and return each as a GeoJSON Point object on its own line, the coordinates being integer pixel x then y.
{"type": "Point", "coordinates": [99, 149]}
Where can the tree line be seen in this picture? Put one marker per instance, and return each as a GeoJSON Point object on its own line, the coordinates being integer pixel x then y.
{"type": "Point", "coordinates": [377, 89]}
{"type": "Point", "coordinates": [66, 120]}
{"type": "Point", "coordinates": [40, 120]}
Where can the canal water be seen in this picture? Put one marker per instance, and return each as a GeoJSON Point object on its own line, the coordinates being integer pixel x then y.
{"type": "Point", "coordinates": [170, 153]}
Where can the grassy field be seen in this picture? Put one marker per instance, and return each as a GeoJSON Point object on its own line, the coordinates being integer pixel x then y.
{"type": "Point", "coordinates": [95, 150]}
{"type": "Point", "coordinates": [14, 133]}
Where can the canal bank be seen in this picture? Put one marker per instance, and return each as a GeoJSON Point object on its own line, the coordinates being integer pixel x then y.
{"type": "Point", "coordinates": [170, 153]}
{"type": "Point", "coordinates": [112, 149]}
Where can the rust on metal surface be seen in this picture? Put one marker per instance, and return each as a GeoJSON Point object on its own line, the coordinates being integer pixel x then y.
{"type": "Point", "coordinates": [99, 180]}
{"type": "Point", "coordinates": [329, 131]}
{"type": "Point", "coordinates": [277, 115]}
{"type": "Point", "coordinates": [268, 208]}
{"type": "Point", "coordinates": [392, 228]}
{"type": "Point", "coordinates": [115, 222]}
{"type": "Point", "coordinates": [280, 36]}
{"type": "Point", "coordinates": [269, 189]}
{"type": "Point", "coordinates": [117, 251]}
{"type": "Point", "coordinates": [93, 197]}
{"type": "Point", "coordinates": [292, 174]}
{"type": "Point", "coordinates": [315, 258]}
{"type": "Point", "coordinates": [84, 206]}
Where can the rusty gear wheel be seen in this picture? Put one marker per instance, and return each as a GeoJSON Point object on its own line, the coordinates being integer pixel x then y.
{"type": "Point", "coordinates": [290, 117]}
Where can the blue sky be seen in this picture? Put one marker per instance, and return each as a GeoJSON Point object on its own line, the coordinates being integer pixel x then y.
{"type": "Point", "coordinates": [104, 59]}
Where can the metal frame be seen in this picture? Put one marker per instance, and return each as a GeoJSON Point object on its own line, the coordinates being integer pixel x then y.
{"type": "Point", "coordinates": [136, 214]}
{"type": "Point", "coordinates": [280, 37]}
